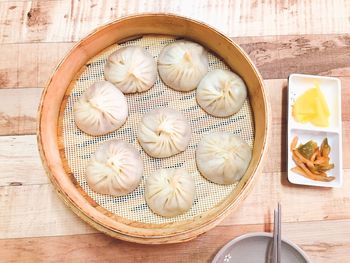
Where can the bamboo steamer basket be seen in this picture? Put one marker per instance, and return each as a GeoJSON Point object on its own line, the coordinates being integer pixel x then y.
{"type": "Point", "coordinates": [54, 98]}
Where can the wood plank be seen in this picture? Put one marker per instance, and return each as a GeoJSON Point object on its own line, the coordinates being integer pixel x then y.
{"type": "Point", "coordinates": [29, 65]}
{"type": "Point", "coordinates": [65, 21]}
{"type": "Point", "coordinates": [275, 56]}
{"type": "Point", "coordinates": [301, 203]}
{"type": "Point", "coordinates": [49, 217]}
{"type": "Point", "coordinates": [20, 162]}
{"type": "Point", "coordinates": [36, 210]}
{"type": "Point", "coordinates": [278, 56]}
{"type": "Point", "coordinates": [323, 242]}
{"type": "Point", "coordinates": [18, 110]}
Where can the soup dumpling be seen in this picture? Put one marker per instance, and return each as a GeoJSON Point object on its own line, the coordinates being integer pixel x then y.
{"type": "Point", "coordinates": [223, 157]}
{"type": "Point", "coordinates": [182, 64]}
{"type": "Point", "coordinates": [170, 192]}
{"type": "Point", "coordinates": [101, 109]}
{"type": "Point", "coordinates": [221, 93]}
{"type": "Point", "coordinates": [132, 69]}
{"type": "Point", "coordinates": [115, 169]}
{"type": "Point", "coordinates": [164, 132]}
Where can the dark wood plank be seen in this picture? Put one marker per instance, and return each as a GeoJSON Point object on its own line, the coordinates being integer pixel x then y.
{"type": "Point", "coordinates": [278, 56]}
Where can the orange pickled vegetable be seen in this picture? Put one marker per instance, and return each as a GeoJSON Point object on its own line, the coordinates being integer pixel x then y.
{"type": "Point", "coordinates": [312, 161]}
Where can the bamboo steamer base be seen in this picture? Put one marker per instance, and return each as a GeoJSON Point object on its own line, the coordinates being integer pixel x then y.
{"type": "Point", "coordinates": [65, 150]}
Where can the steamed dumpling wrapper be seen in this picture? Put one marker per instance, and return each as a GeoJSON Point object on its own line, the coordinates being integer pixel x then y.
{"type": "Point", "coordinates": [170, 192]}
{"type": "Point", "coordinates": [182, 64]}
{"type": "Point", "coordinates": [164, 132]}
{"type": "Point", "coordinates": [222, 157]}
{"type": "Point", "coordinates": [221, 93]}
{"type": "Point", "coordinates": [115, 169]}
{"type": "Point", "coordinates": [132, 69]}
{"type": "Point", "coordinates": [101, 109]}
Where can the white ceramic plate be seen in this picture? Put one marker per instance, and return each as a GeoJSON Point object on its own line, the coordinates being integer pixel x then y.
{"type": "Point", "coordinates": [331, 88]}
{"type": "Point", "coordinates": [256, 248]}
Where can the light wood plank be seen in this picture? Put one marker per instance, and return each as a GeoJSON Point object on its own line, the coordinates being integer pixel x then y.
{"type": "Point", "coordinates": [62, 21]}
{"type": "Point", "coordinates": [18, 110]}
{"type": "Point", "coordinates": [275, 56]}
{"type": "Point", "coordinates": [301, 203]}
{"type": "Point", "coordinates": [47, 216]}
{"type": "Point", "coordinates": [21, 165]}
{"type": "Point", "coordinates": [29, 65]}
{"type": "Point", "coordinates": [324, 242]}
{"type": "Point", "coordinates": [20, 162]}
{"type": "Point", "coordinates": [36, 210]}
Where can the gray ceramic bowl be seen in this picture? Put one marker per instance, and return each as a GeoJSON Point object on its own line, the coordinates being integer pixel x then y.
{"type": "Point", "coordinates": [256, 248]}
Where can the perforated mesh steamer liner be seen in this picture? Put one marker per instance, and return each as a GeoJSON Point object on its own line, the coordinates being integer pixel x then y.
{"type": "Point", "coordinates": [128, 217]}
{"type": "Point", "coordinates": [79, 146]}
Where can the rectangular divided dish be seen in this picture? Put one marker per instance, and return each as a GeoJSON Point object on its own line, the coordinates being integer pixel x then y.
{"type": "Point", "coordinates": [331, 89]}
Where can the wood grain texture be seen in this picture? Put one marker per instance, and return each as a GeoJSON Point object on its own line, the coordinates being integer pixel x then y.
{"type": "Point", "coordinates": [18, 110]}
{"type": "Point", "coordinates": [36, 210]}
{"type": "Point", "coordinates": [279, 56]}
{"type": "Point", "coordinates": [20, 162]}
{"type": "Point", "coordinates": [65, 21]}
{"type": "Point", "coordinates": [275, 56]}
{"type": "Point", "coordinates": [334, 244]}
{"type": "Point", "coordinates": [29, 65]}
{"type": "Point", "coordinates": [29, 36]}
{"type": "Point", "coordinates": [49, 217]}
{"type": "Point", "coordinates": [20, 153]}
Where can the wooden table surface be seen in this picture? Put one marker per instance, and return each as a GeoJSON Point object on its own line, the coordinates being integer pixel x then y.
{"type": "Point", "coordinates": [281, 37]}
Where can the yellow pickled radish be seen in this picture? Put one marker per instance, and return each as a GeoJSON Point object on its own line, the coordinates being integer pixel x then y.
{"type": "Point", "coordinates": [311, 107]}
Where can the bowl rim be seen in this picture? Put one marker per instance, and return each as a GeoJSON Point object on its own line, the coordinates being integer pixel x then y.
{"type": "Point", "coordinates": [259, 234]}
{"type": "Point", "coordinates": [175, 236]}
